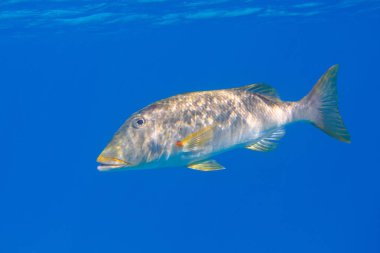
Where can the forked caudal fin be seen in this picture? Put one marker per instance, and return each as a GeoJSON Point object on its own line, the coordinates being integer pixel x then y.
{"type": "Point", "coordinates": [320, 106]}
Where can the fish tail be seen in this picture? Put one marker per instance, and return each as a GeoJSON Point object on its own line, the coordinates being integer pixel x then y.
{"type": "Point", "coordinates": [320, 107]}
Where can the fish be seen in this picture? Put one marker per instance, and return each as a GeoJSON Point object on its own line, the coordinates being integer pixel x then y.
{"type": "Point", "coordinates": [189, 129]}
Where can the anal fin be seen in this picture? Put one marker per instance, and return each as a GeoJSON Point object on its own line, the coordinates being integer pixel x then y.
{"type": "Point", "coordinates": [209, 165]}
{"type": "Point", "coordinates": [269, 141]}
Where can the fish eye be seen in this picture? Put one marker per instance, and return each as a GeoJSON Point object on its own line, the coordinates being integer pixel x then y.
{"type": "Point", "coordinates": [138, 122]}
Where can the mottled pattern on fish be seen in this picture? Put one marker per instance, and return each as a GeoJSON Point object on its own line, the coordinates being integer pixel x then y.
{"type": "Point", "coordinates": [236, 115]}
{"type": "Point", "coordinates": [220, 119]}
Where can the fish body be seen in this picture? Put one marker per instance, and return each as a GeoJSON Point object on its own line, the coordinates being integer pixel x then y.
{"type": "Point", "coordinates": [188, 129]}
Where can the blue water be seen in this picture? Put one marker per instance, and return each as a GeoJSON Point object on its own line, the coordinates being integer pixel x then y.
{"type": "Point", "coordinates": [72, 71]}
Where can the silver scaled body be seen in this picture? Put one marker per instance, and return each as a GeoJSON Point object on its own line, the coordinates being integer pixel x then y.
{"type": "Point", "coordinates": [188, 129]}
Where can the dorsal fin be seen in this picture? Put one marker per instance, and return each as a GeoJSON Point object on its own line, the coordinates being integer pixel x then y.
{"type": "Point", "coordinates": [261, 88]}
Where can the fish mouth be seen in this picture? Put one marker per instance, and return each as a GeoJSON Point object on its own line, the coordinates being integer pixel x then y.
{"type": "Point", "coordinates": [110, 163]}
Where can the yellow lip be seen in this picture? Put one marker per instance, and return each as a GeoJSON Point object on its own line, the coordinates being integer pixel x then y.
{"type": "Point", "coordinates": [110, 160]}
{"type": "Point", "coordinates": [108, 163]}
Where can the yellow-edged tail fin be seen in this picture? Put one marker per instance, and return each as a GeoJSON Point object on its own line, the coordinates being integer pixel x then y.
{"type": "Point", "coordinates": [320, 106]}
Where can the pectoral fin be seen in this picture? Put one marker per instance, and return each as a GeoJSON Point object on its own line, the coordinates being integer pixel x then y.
{"type": "Point", "coordinates": [269, 141]}
{"type": "Point", "coordinates": [209, 165]}
{"type": "Point", "coordinates": [197, 140]}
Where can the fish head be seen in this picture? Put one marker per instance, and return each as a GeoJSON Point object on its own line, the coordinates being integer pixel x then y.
{"type": "Point", "coordinates": [137, 144]}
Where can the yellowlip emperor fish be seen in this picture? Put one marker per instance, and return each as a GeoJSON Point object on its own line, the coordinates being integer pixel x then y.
{"type": "Point", "coordinates": [189, 129]}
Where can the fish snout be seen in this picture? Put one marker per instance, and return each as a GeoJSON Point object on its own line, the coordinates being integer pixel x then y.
{"type": "Point", "coordinates": [109, 163]}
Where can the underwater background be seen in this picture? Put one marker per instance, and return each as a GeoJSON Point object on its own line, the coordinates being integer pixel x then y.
{"type": "Point", "coordinates": [71, 72]}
